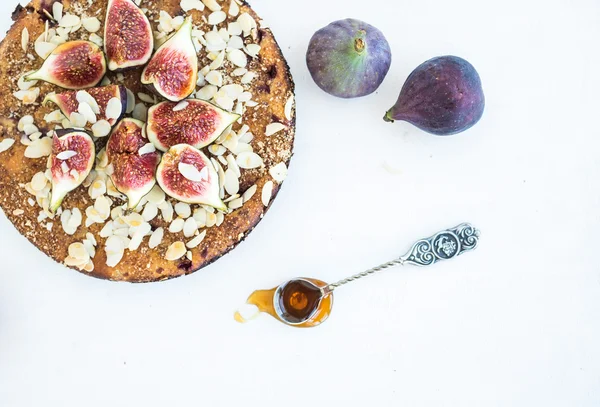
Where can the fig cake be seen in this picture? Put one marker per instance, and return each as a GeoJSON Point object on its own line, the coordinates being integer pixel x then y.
{"type": "Point", "coordinates": [141, 140]}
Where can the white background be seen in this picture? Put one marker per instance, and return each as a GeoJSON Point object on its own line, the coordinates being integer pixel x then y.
{"type": "Point", "coordinates": [516, 322]}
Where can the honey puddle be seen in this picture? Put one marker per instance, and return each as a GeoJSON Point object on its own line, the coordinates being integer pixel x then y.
{"type": "Point", "coordinates": [300, 303]}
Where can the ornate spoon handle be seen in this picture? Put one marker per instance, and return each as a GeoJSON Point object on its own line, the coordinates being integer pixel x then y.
{"type": "Point", "coordinates": [441, 246]}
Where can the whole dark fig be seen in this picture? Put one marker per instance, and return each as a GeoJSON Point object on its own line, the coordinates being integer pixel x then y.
{"type": "Point", "coordinates": [443, 96]}
{"type": "Point", "coordinates": [348, 58]}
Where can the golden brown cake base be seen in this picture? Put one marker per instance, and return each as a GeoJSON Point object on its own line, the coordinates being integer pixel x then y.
{"type": "Point", "coordinates": [271, 89]}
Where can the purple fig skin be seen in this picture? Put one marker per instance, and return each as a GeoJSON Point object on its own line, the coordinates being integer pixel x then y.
{"type": "Point", "coordinates": [348, 58]}
{"type": "Point", "coordinates": [443, 96]}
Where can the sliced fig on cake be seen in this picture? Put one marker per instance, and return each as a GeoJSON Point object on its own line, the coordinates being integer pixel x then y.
{"type": "Point", "coordinates": [187, 175]}
{"type": "Point", "coordinates": [128, 38]}
{"type": "Point", "coordinates": [134, 164]}
{"type": "Point", "coordinates": [72, 65]}
{"type": "Point", "coordinates": [68, 102]}
{"type": "Point", "coordinates": [194, 122]}
{"type": "Point", "coordinates": [173, 70]}
{"type": "Point", "coordinates": [71, 161]}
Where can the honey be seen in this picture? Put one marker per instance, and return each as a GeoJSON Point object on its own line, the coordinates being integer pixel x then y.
{"type": "Point", "coordinates": [300, 303]}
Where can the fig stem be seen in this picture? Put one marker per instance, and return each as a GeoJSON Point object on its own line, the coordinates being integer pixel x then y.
{"type": "Point", "coordinates": [388, 117]}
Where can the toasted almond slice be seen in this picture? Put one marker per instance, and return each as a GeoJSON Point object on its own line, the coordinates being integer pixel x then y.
{"type": "Point", "coordinates": [196, 241]}
{"type": "Point", "coordinates": [183, 210]}
{"type": "Point", "coordinates": [91, 24]}
{"type": "Point", "coordinates": [181, 105]}
{"type": "Point", "coordinates": [190, 227]}
{"type": "Point", "coordinates": [147, 149]}
{"type": "Point", "coordinates": [232, 182]}
{"type": "Point", "coordinates": [238, 58]}
{"type": "Point", "coordinates": [24, 39]}
{"type": "Point", "coordinates": [288, 107]}
{"type": "Point", "coordinates": [249, 160]}
{"type": "Point", "coordinates": [156, 238]}
{"type": "Point", "coordinates": [37, 149]}
{"type": "Point", "coordinates": [279, 172]}
{"type": "Point", "coordinates": [65, 155]}
{"type": "Point", "coordinates": [267, 193]}
{"type": "Point", "coordinates": [249, 193]}
{"type": "Point", "coordinates": [101, 128]}
{"type": "Point", "coordinates": [6, 144]}
{"type": "Point", "coordinates": [176, 251]}
{"type": "Point", "coordinates": [216, 17]}
{"type": "Point", "coordinates": [190, 172]}
{"type": "Point", "coordinates": [177, 225]}
{"type": "Point", "coordinates": [274, 128]}
{"type": "Point", "coordinates": [234, 9]}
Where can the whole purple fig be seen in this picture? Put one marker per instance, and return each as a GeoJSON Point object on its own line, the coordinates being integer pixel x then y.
{"type": "Point", "coordinates": [348, 58]}
{"type": "Point", "coordinates": [443, 96]}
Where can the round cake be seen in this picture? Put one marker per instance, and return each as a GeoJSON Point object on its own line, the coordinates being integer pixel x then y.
{"type": "Point", "coordinates": [108, 164]}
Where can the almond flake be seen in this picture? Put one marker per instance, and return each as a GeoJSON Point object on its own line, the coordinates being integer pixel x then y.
{"type": "Point", "coordinates": [96, 39]}
{"type": "Point", "coordinates": [267, 193]}
{"type": "Point", "coordinates": [274, 128]}
{"type": "Point", "coordinates": [183, 209]}
{"type": "Point", "coordinates": [231, 163]}
{"type": "Point", "coordinates": [156, 196]}
{"type": "Point", "coordinates": [234, 9]}
{"type": "Point", "coordinates": [247, 23]}
{"type": "Point", "coordinates": [140, 112]}
{"type": "Point", "coordinates": [224, 101]}
{"type": "Point", "coordinates": [18, 212]}
{"type": "Point", "coordinates": [101, 128]}
{"type": "Point", "coordinates": [177, 225]}
{"type": "Point", "coordinates": [235, 42]}
{"type": "Point", "coordinates": [147, 148]}
{"type": "Point", "coordinates": [196, 241]}
{"type": "Point", "coordinates": [55, 116]}
{"type": "Point", "coordinates": [130, 101]}
{"type": "Point", "coordinates": [190, 172]}
{"type": "Point", "coordinates": [77, 120]}
{"type": "Point", "coordinates": [69, 20]}
{"type": "Point", "coordinates": [25, 120]}
{"type": "Point", "coordinates": [200, 216]}
{"type": "Point", "coordinates": [218, 61]}
{"type": "Point", "coordinates": [57, 10]}
{"type": "Point", "coordinates": [166, 209]}
{"type": "Point", "coordinates": [176, 251]}
{"type": "Point", "coordinates": [207, 92]}
{"type": "Point", "coordinates": [237, 57]}
{"type": "Point", "coordinates": [39, 181]}
{"type": "Point", "coordinates": [181, 105]}
{"type": "Point", "coordinates": [144, 97]}
{"type": "Point", "coordinates": [187, 5]}
{"type": "Point", "coordinates": [29, 129]}
{"type": "Point", "coordinates": [232, 183]}
{"type": "Point", "coordinates": [212, 5]}
{"type": "Point", "coordinates": [236, 203]}
{"type": "Point", "coordinates": [134, 220]}
{"type": "Point", "coordinates": [113, 109]}
{"type": "Point", "coordinates": [239, 72]}
{"type": "Point", "coordinates": [65, 155]}
{"type": "Point", "coordinates": [150, 211]}
{"type": "Point", "coordinates": [75, 220]}
{"type": "Point", "coordinates": [233, 90]}
{"type": "Point", "coordinates": [44, 49]}
{"type": "Point", "coordinates": [86, 111]}
{"type": "Point", "coordinates": [83, 96]}
{"type": "Point", "coordinates": [190, 227]}
{"type": "Point", "coordinates": [249, 193]}
{"type": "Point", "coordinates": [216, 17]}
{"type": "Point", "coordinates": [288, 107]}
{"type": "Point", "coordinates": [28, 97]}
{"type": "Point", "coordinates": [234, 28]}
{"type": "Point", "coordinates": [91, 24]}
{"type": "Point", "coordinates": [252, 50]}
{"type": "Point", "coordinates": [37, 149]}
{"type": "Point", "coordinates": [26, 85]}
{"type": "Point", "coordinates": [248, 78]}
{"type": "Point", "coordinates": [279, 172]}
{"type": "Point", "coordinates": [215, 78]}
{"type": "Point", "coordinates": [156, 238]}
{"type": "Point", "coordinates": [97, 189]}
{"type": "Point", "coordinates": [24, 39]}
{"type": "Point", "coordinates": [78, 251]}
{"type": "Point", "coordinates": [6, 144]}
{"type": "Point", "coordinates": [249, 160]}
{"type": "Point", "coordinates": [216, 149]}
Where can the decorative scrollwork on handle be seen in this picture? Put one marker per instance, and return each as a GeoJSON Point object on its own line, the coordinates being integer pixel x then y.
{"type": "Point", "coordinates": [443, 246]}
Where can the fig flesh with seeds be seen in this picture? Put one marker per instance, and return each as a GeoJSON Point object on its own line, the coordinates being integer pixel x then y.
{"type": "Point", "coordinates": [348, 58]}
{"type": "Point", "coordinates": [72, 65]}
{"type": "Point", "coordinates": [187, 175]}
{"type": "Point", "coordinates": [192, 121]}
{"type": "Point", "coordinates": [133, 170]}
{"type": "Point", "coordinates": [443, 96]}
{"type": "Point", "coordinates": [128, 38]}
{"type": "Point", "coordinates": [72, 158]}
{"type": "Point", "coordinates": [68, 103]}
{"type": "Point", "coordinates": [173, 70]}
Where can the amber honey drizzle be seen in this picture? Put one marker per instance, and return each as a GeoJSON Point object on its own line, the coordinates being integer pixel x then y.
{"type": "Point", "coordinates": [264, 301]}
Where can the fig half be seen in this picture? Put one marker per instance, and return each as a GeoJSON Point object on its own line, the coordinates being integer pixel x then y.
{"type": "Point", "coordinates": [133, 165]}
{"type": "Point", "coordinates": [68, 103]}
{"type": "Point", "coordinates": [442, 96]}
{"type": "Point", "coordinates": [187, 175]}
{"type": "Point", "coordinates": [72, 158]}
{"type": "Point", "coordinates": [173, 70]}
{"type": "Point", "coordinates": [72, 65]}
{"type": "Point", "coordinates": [128, 39]}
{"type": "Point", "coordinates": [198, 123]}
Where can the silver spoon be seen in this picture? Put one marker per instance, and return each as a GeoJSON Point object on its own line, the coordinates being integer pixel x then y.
{"type": "Point", "coordinates": [444, 245]}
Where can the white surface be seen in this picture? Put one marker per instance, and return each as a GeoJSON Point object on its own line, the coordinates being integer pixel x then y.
{"type": "Point", "coordinates": [514, 323]}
